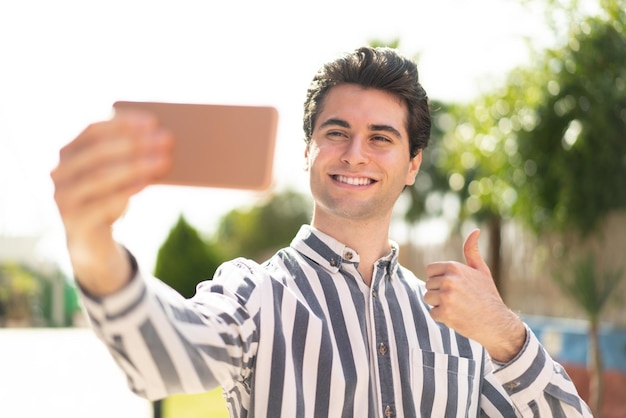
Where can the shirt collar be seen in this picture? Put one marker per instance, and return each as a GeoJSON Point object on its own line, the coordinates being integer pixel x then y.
{"type": "Point", "coordinates": [331, 254]}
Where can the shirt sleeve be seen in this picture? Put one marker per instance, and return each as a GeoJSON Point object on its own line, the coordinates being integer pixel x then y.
{"type": "Point", "coordinates": [166, 344]}
{"type": "Point", "coordinates": [536, 385]}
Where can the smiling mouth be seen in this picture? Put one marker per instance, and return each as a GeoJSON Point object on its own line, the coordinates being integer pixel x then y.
{"type": "Point", "coordinates": [353, 181]}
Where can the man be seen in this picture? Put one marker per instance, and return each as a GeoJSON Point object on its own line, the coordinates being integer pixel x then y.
{"type": "Point", "coordinates": [332, 325]}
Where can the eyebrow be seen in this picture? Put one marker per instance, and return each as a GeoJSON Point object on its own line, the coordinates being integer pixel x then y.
{"type": "Point", "coordinates": [345, 124]}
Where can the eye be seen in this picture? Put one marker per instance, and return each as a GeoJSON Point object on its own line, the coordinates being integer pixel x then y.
{"type": "Point", "coordinates": [336, 134]}
{"type": "Point", "coordinates": [381, 138]}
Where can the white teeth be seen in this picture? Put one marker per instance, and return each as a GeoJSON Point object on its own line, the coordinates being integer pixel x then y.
{"type": "Point", "coordinates": [361, 181]}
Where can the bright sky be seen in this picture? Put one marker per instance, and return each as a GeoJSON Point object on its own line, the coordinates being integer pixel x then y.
{"type": "Point", "coordinates": [64, 63]}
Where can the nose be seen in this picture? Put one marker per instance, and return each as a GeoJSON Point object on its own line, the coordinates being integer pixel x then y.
{"type": "Point", "coordinates": [355, 152]}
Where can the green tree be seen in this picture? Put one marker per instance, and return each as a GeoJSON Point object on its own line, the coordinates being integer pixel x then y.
{"type": "Point", "coordinates": [432, 184]}
{"type": "Point", "coordinates": [58, 301]}
{"type": "Point", "coordinates": [498, 167]}
{"type": "Point", "coordinates": [34, 296]}
{"type": "Point", "coordinates": [185, 259]}
{"type": "Point", "coordinates": [549, 147]}
{"type": "Point", "coordinates": [449, 173]}
{"type": "Point", "coordinates": [591, 291]}
{"type": "Point", "coordinates": [573, 161]}
{"type": "Point", "coordinates": [470, 155]}
{"type": "Point", "coordinates": [571, 170]}
{"type": "Point", "coordinates": [258, 231]}
{"type": "Point", "coordinates": [461, 177]}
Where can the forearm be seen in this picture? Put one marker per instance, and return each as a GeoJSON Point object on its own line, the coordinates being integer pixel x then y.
{"type": "Point", "coordinates": [166, 344]}
{"type": "Point", "coordinates": [103, 271]}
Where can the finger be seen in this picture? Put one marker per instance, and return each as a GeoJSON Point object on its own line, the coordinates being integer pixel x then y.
{"type": "Point", "coordinates": [109, 143]}
{"type": "Point", "coordinates": [104, 166]}
{"type": "Point", "coordinates": [97, 215]}
{"type": "Point", "coordinates": [438, 314]}
{"type": "Point", "coordinates": [137, 122]}
{"type": "Point", "coordinates": [106, 181]}
{"type": "Point", "coordinates": [432, 284]}
{"type": "Point", "coordinates": [435, 269]}
{"type": "Point", "coordinates": [472, 253]}
{"type": "Point", "coordinates": [432, 298]}
{"type": "Point", "coordinates": [443, 268]}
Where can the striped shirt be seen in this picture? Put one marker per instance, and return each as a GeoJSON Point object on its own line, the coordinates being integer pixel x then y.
{"type": "Point", "coordinates": [303, 336]}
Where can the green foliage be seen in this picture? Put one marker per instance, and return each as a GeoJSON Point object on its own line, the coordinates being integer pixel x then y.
{"type": "Point", "coordinates": [258, 231]}
{"type": "Point", "coordinates": [19, 294]}
{"type": "Point", "coordinates": [32, 297]}
{"type": "Point", "coordinates": [378, 43]}
{"type": "Point", "coordinates": [549, 146]}
{"type": "Point", "coordinates": [431, 184]}
{"type": "Point", "coordinates": [589, 289]}
{"type": "Point", "coordinates": [573, 166]}
{"type": "Point", "coordinates": [185, 259]}
{"type": "Point", "coordinates": [474, 153]}
{"type": "Point", "coordinates": [51, 295]}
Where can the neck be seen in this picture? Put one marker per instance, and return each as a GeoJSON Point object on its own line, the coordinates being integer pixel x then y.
{"type": "Point", "coordinates": [368, 238]}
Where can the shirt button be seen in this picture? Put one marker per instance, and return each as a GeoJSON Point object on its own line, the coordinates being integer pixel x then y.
{"type": "Point", "coordinates": [382, 349]}
{"type": "Point", "coordinates": [374, 294]}
{"type": "Point", "coordinates": [389, 411]}
{"type": "Point", "coordinates": [348, 255]}
{"type": "Point", "coordinates": [510, 386]}
{"type": "Point", "coordinates": [333, 262]}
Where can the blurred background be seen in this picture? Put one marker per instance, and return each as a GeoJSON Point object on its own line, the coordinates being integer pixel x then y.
{"type": "Point", "coordinates": [529, 144]}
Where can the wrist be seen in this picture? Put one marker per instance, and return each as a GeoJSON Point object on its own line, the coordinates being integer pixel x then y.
{"type": "Point", "coordinates": [103, 272]}
{"type": "Point", "coordinates": [513, 337]}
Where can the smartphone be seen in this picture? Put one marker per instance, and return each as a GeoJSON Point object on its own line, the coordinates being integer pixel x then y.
{"type": "Point", "coordinates": [223, 146]}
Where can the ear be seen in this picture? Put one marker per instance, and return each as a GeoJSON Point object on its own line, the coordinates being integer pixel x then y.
{"type": "Point", "coordinates": [414, 168]}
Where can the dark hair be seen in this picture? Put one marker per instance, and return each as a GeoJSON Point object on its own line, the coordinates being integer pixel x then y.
{"type": "Point", "coordinates": [378, 68]}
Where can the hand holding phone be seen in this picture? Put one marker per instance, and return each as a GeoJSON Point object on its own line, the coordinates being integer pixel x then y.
{"type": "Point", "coordinates": [223, 146]}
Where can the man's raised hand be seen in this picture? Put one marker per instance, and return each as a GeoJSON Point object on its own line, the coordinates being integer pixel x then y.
{"type": "Point", "coordinates": [464, 297]}
{"type": "Point", "coordinates": [97, 174]}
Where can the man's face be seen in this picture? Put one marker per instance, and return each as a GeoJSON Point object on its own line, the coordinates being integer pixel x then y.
{"type": "Point", "coordinates": [358, 156]}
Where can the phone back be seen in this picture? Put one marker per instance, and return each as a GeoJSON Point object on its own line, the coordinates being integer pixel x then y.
{"type": "Point", "coordinates": [223, 146]}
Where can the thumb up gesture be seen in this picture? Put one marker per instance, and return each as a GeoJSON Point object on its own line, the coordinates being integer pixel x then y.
{"type": "Point", "coordinates": [464, 297]}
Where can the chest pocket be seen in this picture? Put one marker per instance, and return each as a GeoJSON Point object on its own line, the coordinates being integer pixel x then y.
{"type": "Point", "coordinates": [444, 385]}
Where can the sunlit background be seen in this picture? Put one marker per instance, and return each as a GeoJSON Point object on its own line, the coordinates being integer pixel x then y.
{"type": "Point", "coordinates": [63, 64]}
